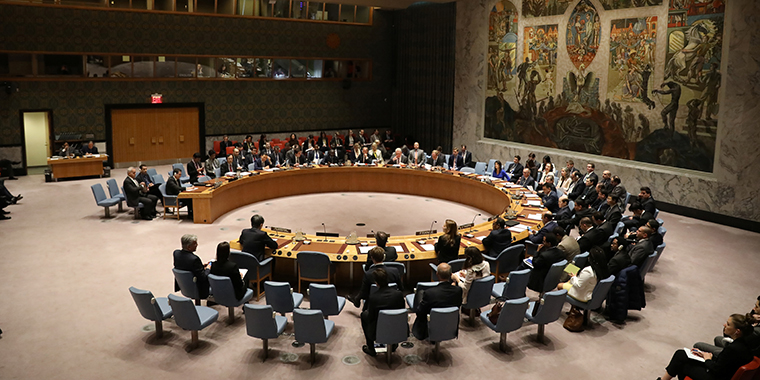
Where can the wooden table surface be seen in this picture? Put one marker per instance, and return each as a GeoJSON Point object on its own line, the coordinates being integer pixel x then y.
{"type": "Point", "coordinates": [77, 167]}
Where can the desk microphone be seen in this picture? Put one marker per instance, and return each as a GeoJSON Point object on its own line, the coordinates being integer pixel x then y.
{"type": "Point", "coordinates": [324, 229]}
{"type": "Point", "coordinates": [473, 221]}
{"type": "Point", "coordinates": [430, 231]}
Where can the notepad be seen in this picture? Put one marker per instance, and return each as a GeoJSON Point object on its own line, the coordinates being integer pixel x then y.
{"type": "Point", "coordinates": [690, 355]}
{"type": "Point", "coordinates": [572, 268]}
{"type": "Point", "coordinates": [481, 237]}
{"type": "Point", "coordinates": [518, 228]}
{"type": "Point", "coordinates": [531, 196]}
{"type": "Point", "coordinates": [398, 248]}
{"type": "Point", "coordinates": [534, 203]}
{"type": "Point", "coordinates": [365, 250]}
{"type": "Point", "coordinates": [428, 247]}
{"type": "Point", "coordinates": [534, 216]}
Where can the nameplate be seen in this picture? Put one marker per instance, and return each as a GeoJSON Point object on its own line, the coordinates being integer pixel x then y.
{"type": "Point", "coordinates": [491, 219]}
{"type": "Point", "coordinates": [280, 229]}
{"type": "Point", "coordinates": [328, 234]}
{"type": "Point", "coordinates": [425, 232]}
{"type": "Point", "coordinates": [468, 225]}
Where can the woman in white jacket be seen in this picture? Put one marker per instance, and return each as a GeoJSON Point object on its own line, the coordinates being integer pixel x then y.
{"type": "Point", "coordinates": [474, 268]}
{"type": "Point", "coordinates": [581, 286]}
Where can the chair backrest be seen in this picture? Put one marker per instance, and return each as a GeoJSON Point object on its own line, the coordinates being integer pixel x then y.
{"type": "Point", "coordinates": [313, 264]}
{"type": "Point", "coordinates": [205, 178]}
{"type": "Point", "coordinates": [244, 260]}
{"type": "Point", "coordinates": [421, 286]}
{"type": "Point", "coordinates": [491, 164]}
{"type": "Point", "coordinates": [186, 282]}
{"type": "Point", "coordinates": [612, 237]}
{"type": "Point", "coordinates": [467, 169]}
{"type": "Point", "coordinates": [279, 296]}
{"type": "Point", "coordinates": [113, 188]}
{"type": "Point", "coordinates": [400, 267]}
{"type": "Point", "coordinates": [217, 172]}
{"type": "Point", "coordinates": [512, 315]}
{"type": "Point", "coordinates": [392, 326]}
{"type": "Point", "coordinates": [98, 193]}
{"type": "Point", "coordinates": [223, 291]}
{"type": "Point", "coordinates": [443, 324]}
{"type": "Point", "coordinates": [480, 168]}
{"type": "Point", "coordinates": [660, 248]}
{"type": "Point", "coordinates": [627, 198]}
{"type": "Point", "coordinates": [309, 326]}
{"type": "Point", "coordinates": [509, 259]}
{"type": "Point", "coordinates": [146, 304]}
{"type": "Point", "coordinates": [571, 204]}
{"type": "Point", "coordinates": [749, 371]}
{"type": "Point", "coordinates": [517, 282]}
{"type": "Point", "coordinates": [550, 307]}
{"type": "Point", "coordinates": [373, 288]}
{"type": "Point", "coordinates": [185, 313]}
{"type": "Point", "coordinates": [251, 167]}
{"type": "Point", "coordinates": [324, 297]}
{"type": "Point", "coordinates": [554, 274]}
{"type": "Point", "coordinates": [662, 231]}
{"type": "Point", "coordinates": [180, 167]}
{"type": "Point", "coordinates": [656, 212]}
{"type": "Point", "coordinates": [260, 321]}
{"type": "Point", "coordinates": [152, 172]}
{"type": "Point", "coordinates": [480, 292]}
{"type": "Point", "coordinates": [619, 228]}
{"type": "Point", "coordinates": [600, 292]}
{"type": "Point", "coordinates": [647, 265]}
{"type": "Point", "coordinates": [581, 260]}
{"type": "Point", "coordinates": [221, 160]}
{"type": "Point", "coordinates": [158, 178]}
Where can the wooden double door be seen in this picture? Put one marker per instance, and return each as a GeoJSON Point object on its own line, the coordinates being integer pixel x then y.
{"type": "Point", "coordinates": [154, 134]}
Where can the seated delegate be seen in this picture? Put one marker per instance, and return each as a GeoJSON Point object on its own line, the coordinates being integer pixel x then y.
{"type": "Point", "coordinates": [474, 268]}
{"type": "Point", "coordinates": [447, 247]}
{"type": "Point", "coordinates": [226, 268]}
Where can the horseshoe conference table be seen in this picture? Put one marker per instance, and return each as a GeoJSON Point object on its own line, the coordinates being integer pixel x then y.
{"type": "Point", "coordinates": [497, 198]}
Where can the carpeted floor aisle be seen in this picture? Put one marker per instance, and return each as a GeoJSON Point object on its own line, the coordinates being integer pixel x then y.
{"type": "Point", "coordinates": [66, 312]}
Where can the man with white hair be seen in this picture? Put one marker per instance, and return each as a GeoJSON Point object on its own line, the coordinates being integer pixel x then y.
{"type": "Point", "coordinates": [185, 259]}
{"type": "Point", "coordinates": [398, 158]}
{"type": "Point", "coordinates": [137, 192]}
{"type": "Point", "coordinates": [435, 159]}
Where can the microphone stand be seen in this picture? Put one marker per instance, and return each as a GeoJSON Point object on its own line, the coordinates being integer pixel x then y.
{"type": "Point", "coordinates": [430, 231]}
{"type": "Point", "coordinates": [473, 221]}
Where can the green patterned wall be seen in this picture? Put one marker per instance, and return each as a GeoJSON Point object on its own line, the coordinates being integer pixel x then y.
{"type": "Point", "coordinates": [231, 106]}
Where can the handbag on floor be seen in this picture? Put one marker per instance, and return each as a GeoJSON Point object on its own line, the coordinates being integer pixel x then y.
{"type": "Point", "coordinates": [574, 321]}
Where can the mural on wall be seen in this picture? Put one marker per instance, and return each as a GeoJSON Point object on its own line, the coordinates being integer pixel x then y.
{"type": "Point", "coordinates": [583, 34]}
{"type": "Point", "coordinates": [540, 8]}
{"type": "Point", "coordinates": [502, 46]}
{"type": "Point", "coordinates": [632, 60]}
{"type": "Point", "coordinates": [669, 122]}
{"type": "Point", "coordinates": [621, 4]}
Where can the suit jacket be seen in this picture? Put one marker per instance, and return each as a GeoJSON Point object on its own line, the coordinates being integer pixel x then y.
{"type": "Point", "coordinates": [369, 279]}
{"type": "Point", "coordinates": [353, 156]}
{"type": "Point", "coordinates": [547, 229]}
{"type": "Point", "coordinates": [446, 253]}
{"type": "Point", "coordinates": [577, 190]}
{"type": "Point", "coordinates": [591, 175]}
{"type": "Point", "coordinates": [569, 246]}
{"type": "Point", "coordinates": [619, 261]}
{"type": "Point", "coordinates": [438, 161]}
{"type": "Point", "coordinates": [648, 205]}
{"type": "Point", "coordinates": [334, 159]}
{"type": "Point", "coordinates": [594, 237]}
{"type": "Point", "coordinates": [588, 196]}
{"type": "Point", "coordinates": [733, 356]}
{"type": "Point", "coordinates": [563, 213]}
{"type": "Point", "coordinates": [194, 172]}
{"type": "Point", "coordinates": [390, 255]}
{"type": "Point", "coordinates": [186, 260]}
{"type": "Point", "coordinates": [385, 298]}
{"type": "Point", "coordinates": [442, 295]}
{"type": "Point", "coordinates": [576, 218]}
{"type": "Point", "coordinates": [551, 201]}
{"type": "Point", "coordinates": [619, 192]}
{"type": "Point", "coordinates": [497, 241]}
{"type": "Point", "coordinates": [144, 178]}
{"type": "Point", "coordinates": [515, 170]}
{"type": "Point", "coordinates": [223, 148]}
{"type": "Point", "coordinates": [613, 215]}
{"type": "Point", "coordinates": [231, 270]}
{"type": "Point", "coordinates": [173, 187]}
{"type": "Point", "coordinates": [542, 261]}
{"type": "Point", "coordinates": [226, 168]}
{"type": "Point", "coordinates": [640, 251]}
{"type": "Point", "coordinates": [365, 159]}
{"type": "Point", "coordinates": [253, 241]}
{"type": "Point", "coordinates": [525, 182]}
{"type": "Point", "coordinates": [467, 158]}
{"type": "Point", "coordinates": [133, 192]}
{"type": "Point", "coordinates": [291, 158]}
{"type": "Point", "coordinates": [455, 162]}
{"type": "Point", "coordinates": [86, 149]}
{"type": "Point", "coordinates": [316, 154]}
{"type": "Point", "coordinates": [394, 160]}
{"type": "Point", "coordinates": [420, 157]}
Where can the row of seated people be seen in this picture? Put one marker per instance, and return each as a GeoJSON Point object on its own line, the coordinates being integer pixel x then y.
{"type": "Point", "coordinates": [141, 188]}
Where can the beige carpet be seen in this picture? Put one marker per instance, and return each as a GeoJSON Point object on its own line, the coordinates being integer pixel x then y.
{"type": "Point", "coordinates": [66, 312]}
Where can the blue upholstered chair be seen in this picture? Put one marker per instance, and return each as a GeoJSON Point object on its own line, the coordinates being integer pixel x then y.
{"type": "Point", "coordinates": [191, 317]}
{"type": "Point", "coordinates": [479, 295]}
{"type": "Point", "coordinates": [184, 177]}
{"type": "Point", "coordinates": [158, 179]}
{"type": "Point", "coordinates": [151, 308]}
{"type": "Point", "coordinates": [280, 296]}
{"type": "Point", "coordinates": [258, 271]}
{"type": "Point", "coordinates": [101, 200]}
{"type": "Point", "coordinates": [262, 322]}
{"type": "Point", "coordinates": [187, 284]}
{"type": "Point", "coordinates": [480, 168]}
{"type": "Point", "coordinates": [443, 325]}
{"type": "Point", "coordinates": [514, 287]}
{"type": "Point", "coordinates": [491, 164]}
{"type": "Point", "coordinates": [217, 172]}
{"type": "Point", "coordinates": [205, 178]}
{"type": "Point", "coordinates": [113, 191]}
{"type": "Point", "coordinates": [659, 249]}
{"type": "Point", "coordinates": [311, 328]}
{"type": "Point", "coordinates": [581, 260]}
{"type": "Point", "coordinates": [646, 267]}
{"type": "Point", "coordinates": [597, 297]}
{"type": "Point", "coordinates": [456, 266]}
{"type": "Point", "coordinates": [135, 209]}
{"type": "Point", "coordinates": [467, 170]}
{"type": "Point", "coordinates": [552, 277]}
{"type": "Point", "coordinates": [392, 328]}
{"type": "Point", "coordinates": [169, 201]}
{"type": "Point", "coordinates": [152, 172]}
{"type": "Point", "coordinates": [224, 294]}
{"type": "Point", "coordinates": [314, 267]}
{"type": "Point", "coordinates": [510, 319]}
{"type": "Point", "coordinates": [549, 310]}
{"type": "Point", "coordinates": [506, 261]}
{"type": "Point", "coordinates": [662, 231]}
{"type": "Point", "coordinates": [413, 299]}
{"type": "Point", "coordinates": [325, 298]}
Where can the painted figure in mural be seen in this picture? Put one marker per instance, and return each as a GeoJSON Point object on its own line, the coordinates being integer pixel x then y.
{"type": "Point", "coordinates": [698, 43]}
{"type": "Point", "coordinates": [710, 94]}
{"type": "Point", "coordinates": [671, 110]}
{"type": "Point", "coordinates": [695, 110]}
{"type": "Point", "coordinates": [522, 75]}
{"type": "Point", "coordinates": [583, 30]}
{"type": "Point", "coordinates": [644, 129]}
{"type": "Point", "coordinates": [607, 107]}
{"type": "Point", "coordinates": [549, 80]}
{"type": "Point", "coordinates": [504, 72]}
{"type": "Point", "coordinates": [550, 104]}
{"type": "Point", "coordinates": [629, 124]}
{"type": "Point", "coordinates": [493, 67]}
{"type": "Point", "coordinates": [529, 95]}
{"type": "Point", "coordinates": [501, 110]}
{"type": "Point", "coordinates": [645, 74]}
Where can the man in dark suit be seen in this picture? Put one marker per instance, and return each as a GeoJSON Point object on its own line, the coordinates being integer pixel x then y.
{"type": "Point", "coordinates": [333, 157]}
{"type": "Point", "coordinates": [90, 148]}
{"type": "Point", "coordinates": [398, 158]}
{"type": "Point", "coordinates": [646, 200]}
{"type": "Point", "coordinates": [537, 237]}
{"type": "Point", "coordinates": [526, 180]}
{"type": "Point", "coordinates": [499, 239]}
{"type": "Point", "coordinates": [445, 294]}
{"type": "Point", "coordinates": [365, 157]}
{"type": "Point", "coordinates": [547, 255]}
{"type": "Point", "coordinates": [378, 255]}
{"type": "Point", "coordinates": [381, 238]}
{"type": "Point", "coordinates": [254, 240]}
{"type": "Point", "coordinates": [571, 168]}
{"type": "Point", "coordinates": [515, 169]}
{"type": "Point", "coordinates": [639, 217]}
{"type": "Point", "coordinates": [185, 259]}
{"type": "Point", "coordinates": [195, 168]}
{"type": "Point", "coordinates": [613, 213]}
{"type": "Point", "coordinates": [591, 235]}
{"type": "Point", "coordinates": [144, 177]}
{"type": "Point", "coordinates": [173, 187]}
{"type": "Point", "coordinates": [590, 173]}
{"type": "Point", "coordinates": [315, 157]}
{"type": "Point", "coordinates": [435, 159]}
{"type": "Point", "coordinates": [295, 157]}
{"type": "Point", "coordinates": [577, 187]}
{"type": "Point", "coordinates": [643, 246]}
{"type": "Point", "coordinates": [589, 193]}
{"type": "Point", "coordinates": [581, 211]}
{"type": "Point", "coordinates": [655, 238]}
{"type": "Point", "coordinates": [618, 191]}
{"type": "Point", "coordinates": [564, 209]}
{"type": "Point", "coordinates": [384, 298]}
{"type": "Point", "coordinates": [466, 157]}
{"type": "Point", "coordinates": [228, 166]}
{"type": "Point", "coordinates": [416, 156]}
{"type": "Point", "coordinates": [223, 145]}
{"type": "Point", "coordinates": [455, 160]}
{"type": "Point", "coordinates": [138, 193]}
{"type": "Point", "coordinates": [226, 268]}
{"type": "Point", "coordinates": [550, 198]}
{"type": "Point", "coordinates": [278, 158]}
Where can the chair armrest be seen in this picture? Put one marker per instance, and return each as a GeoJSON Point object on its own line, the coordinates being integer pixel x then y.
{"type": "Point", "coordinates": [489, 258]}
{"type": "Point", "coordinates": [433, 267]}
{"type": "Point", "coordinates": [265, 262]}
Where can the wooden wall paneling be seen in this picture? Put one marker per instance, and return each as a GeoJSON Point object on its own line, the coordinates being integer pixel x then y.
{"type": "Point", "coordinates": [164, 125]}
